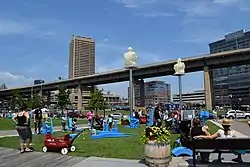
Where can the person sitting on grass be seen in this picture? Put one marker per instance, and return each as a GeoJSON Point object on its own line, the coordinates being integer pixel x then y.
{"type": "Point", "coordinates": [225, 133]}
{"type": "Point", "coordinates": [110, 122]}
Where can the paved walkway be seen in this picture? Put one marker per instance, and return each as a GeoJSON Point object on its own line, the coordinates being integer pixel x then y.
{"type": "Point", "coordinates": [9, 133]}
{"type": "Point", "coordinates": [241, 127]}
{"type": "Point", "coordinates": [237, 132]}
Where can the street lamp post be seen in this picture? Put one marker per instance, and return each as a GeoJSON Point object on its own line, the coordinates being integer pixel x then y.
{"type": "Point", "coordinates": [130, 63]}
{"type": "Point", "coordinates": [179, 69]}
{"type": "Point", "coordinates": [239, 103]}
{"type": "Point", "coordinates": [230, 100]}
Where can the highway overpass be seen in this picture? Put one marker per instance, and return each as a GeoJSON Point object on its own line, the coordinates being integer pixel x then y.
{"type": "Point", "coordinates": [193, 64]}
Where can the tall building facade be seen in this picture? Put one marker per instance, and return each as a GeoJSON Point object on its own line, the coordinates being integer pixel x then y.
{"type": "Point", "coordinates": [149, 93]}
{"type": "Point", "coordinates": [81, 63]}
{"type": "Point", "coordinates": [231, 85]}
{"type": "Point", "coordinates": [139, 93]}
{"type": "Point", "coordinates": [157, 92]}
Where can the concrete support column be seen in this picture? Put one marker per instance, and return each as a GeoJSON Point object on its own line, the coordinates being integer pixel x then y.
{"type": "Point", "coordinates": [48, 98]}
{"type": "Point", "coordinates": [142, 93]}
{"type": "Point", "coordinates": [133, 90]}
{"type": "Point", "coordinates": [208, 88]}
{"type": "Point", "coordinates": [79, 100]}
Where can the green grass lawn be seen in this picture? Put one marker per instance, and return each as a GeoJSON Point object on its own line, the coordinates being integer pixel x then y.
{"type": "Point", "coordinates": [127, 148]}
{"type": "Point", "coordinates": [212, 128]}
{"type": "Point", "coordinates": [8, 124]}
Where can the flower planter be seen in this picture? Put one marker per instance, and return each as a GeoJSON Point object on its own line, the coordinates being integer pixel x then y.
{"type": "Point", "coordinates": [157, 154]}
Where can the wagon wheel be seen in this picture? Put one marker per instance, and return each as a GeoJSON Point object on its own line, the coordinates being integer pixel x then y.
{"type": "Point", "coordinates": [72, 148]}
{"type": "Point", "coordinates": [45, 149]}
{"type": "Point", "coordinates": [64, 151]}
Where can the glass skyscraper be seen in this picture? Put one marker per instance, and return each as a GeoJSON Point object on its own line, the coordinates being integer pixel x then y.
{"type": "Point", "coordinates": [231, 85]}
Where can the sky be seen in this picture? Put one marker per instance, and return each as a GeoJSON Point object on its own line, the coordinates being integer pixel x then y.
{"type": "Point", "coordinates": [35, 35]}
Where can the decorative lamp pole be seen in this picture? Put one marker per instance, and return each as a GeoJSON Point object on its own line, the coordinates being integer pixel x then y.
{"type": "Point", "coordinates": [179, 69]}
{"type": "Point", "coordinates": [239, 104]}
{"type": "Point", "coordinates": [230, 96]}
{"type": "Point", "coordinates": [130, 63]}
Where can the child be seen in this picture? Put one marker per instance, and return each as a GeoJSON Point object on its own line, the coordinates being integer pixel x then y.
{"type": "Point", "coordinates": [74, 125]}
{"type": "Point", "coordinates": [110, 122]}
{"type": "Point", "coordinates": [64, 123]}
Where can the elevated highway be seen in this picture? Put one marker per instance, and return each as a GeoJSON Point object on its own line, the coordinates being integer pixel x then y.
{"type": "Point", "coordinates": [193, 64]}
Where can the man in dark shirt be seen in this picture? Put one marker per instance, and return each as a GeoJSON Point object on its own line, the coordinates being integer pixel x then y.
{"type": "Point", "coordinates": [157, 115]}
{"type": "Point", "coordinates": [38, 120]}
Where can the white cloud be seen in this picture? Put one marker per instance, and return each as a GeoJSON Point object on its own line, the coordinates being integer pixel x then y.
{"type": "Point", "coordinates": [155, 14]}
{"type": "Point", "coordinates": [11, 79]}
{"type": "Point", "coordinates": [136, 3]}
{"type": "Point", "coordinates": [31, 28]}
{"type": "Point", "coordinates": [8, 27]}
{"type": "Point", "coordinates": [105, 40]}
{"type": "Point", "coordinates": [226, 2]}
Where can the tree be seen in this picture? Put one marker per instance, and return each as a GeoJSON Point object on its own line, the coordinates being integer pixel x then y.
{"type": "Point", "coordinates": [35, 101]}
{"type": "Point", "coordinates": [63, 98]}
{"type": "Point", "coordinates": [16, 100]}
{"type": "Point", "coordinates": [97, 101]}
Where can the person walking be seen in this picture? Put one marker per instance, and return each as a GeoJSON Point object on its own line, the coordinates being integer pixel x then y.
{"type": "Point", "coordinates": [38, 116]}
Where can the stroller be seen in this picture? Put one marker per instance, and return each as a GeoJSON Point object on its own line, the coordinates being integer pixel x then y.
{"type": "Point", "coordinates": [182, 146]}
{"type": "Point", "coordinates": [172, 125]}
{"type": "Point", "coordinates": [97, 123]}
{"type": "Point", "coordinates": [64, 143]}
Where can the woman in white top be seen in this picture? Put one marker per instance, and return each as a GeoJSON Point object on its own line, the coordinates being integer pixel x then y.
{"type": "Point", "coordinates": [225, 133]}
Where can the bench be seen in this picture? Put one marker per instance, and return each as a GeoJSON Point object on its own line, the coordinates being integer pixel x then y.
{"type": "Point", "coordinates": [223, 145]}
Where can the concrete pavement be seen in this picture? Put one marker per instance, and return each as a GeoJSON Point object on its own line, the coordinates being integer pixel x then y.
{"type": "Point", "coordinates": [241, 127]}
{"type": "Point", "coordinates": [10, 133]}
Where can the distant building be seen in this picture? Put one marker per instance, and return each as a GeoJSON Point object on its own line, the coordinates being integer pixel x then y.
{"type": "Point", "coordinates": [231, 81]}
{"type": "Point", "coordinates": [81, 63]}
{"type": "Point", "coordinates": [3, 86]}
{"type": "Point", "coordinates": [111, 99]}
{"type": "Point", "coordinates": [196, 97]}
{"type": "Point", "coordinates": [157, 92]}
{"type": "Point", "coordinates": [139, 93]}
{"type": "Point", "coordinates": [151, 92]}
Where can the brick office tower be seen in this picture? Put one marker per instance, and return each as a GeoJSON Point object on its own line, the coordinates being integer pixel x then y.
{"type": "Point", "coordinates": [81, 63]}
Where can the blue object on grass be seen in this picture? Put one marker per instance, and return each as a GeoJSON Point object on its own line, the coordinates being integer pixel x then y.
{"type": "Point", "coordinates": [133, 123]}
{"type": "Point", "coordinates": [47, 129]}
{"type": "Point", "coordinates": [72, 136]}
{"type": "Point", "coordinates": [182, 151]}
{"type": "Point", "coordinates": [109, 135]}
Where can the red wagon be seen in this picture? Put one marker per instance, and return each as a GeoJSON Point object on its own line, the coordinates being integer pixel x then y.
{"type": "Point", "coordinates": [63, 144]}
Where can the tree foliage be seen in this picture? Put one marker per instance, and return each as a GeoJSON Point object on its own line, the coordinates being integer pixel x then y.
{"type": "Point", "coordinates": [63, 98]}
{"type": "Point", "coordinates": [35, 101]}
{"type": "Point", "coordinates": [97, 101]}
{"type": "Point", "coordinates": [16, 100]}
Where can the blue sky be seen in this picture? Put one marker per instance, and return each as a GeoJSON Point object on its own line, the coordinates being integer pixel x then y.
{"type": "Point", "coordinates": [35, 35]}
